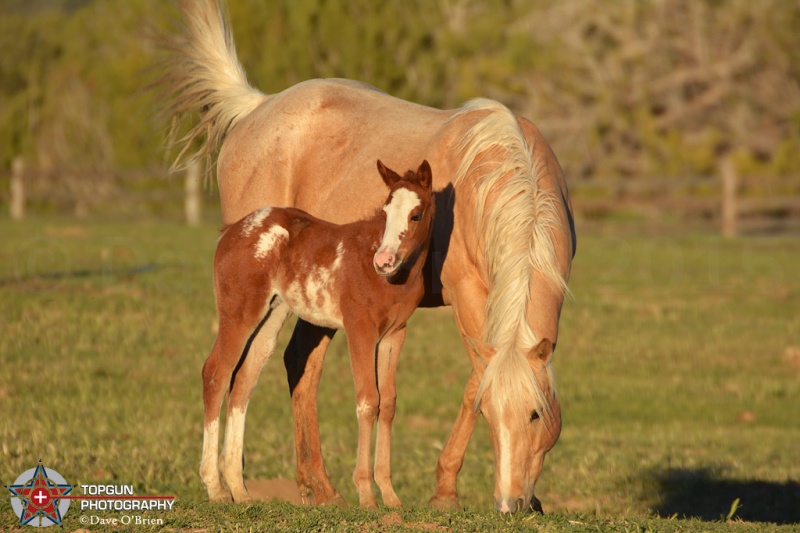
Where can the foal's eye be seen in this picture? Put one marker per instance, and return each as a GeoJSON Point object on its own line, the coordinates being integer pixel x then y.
{"type": "Point", "coordinates": [416, 218]}
{"type": "Point", "coordinates": [534, 416]}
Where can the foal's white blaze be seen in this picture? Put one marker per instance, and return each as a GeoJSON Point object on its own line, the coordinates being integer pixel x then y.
{"type": "Point", "coordinates": [254, 220]}
{"type": "Point", "coordinates": [397, 210]}
{"type": "Point", "coordinates": [268, 239]}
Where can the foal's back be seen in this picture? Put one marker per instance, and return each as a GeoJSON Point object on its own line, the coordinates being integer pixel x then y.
{"type": "Point", "coordinates": [287, 254]}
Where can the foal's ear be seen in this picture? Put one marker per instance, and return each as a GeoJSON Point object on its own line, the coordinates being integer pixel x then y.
{"type": "Point", "coordinates": [542, 351]}
{"type": "Point", "coordinates": [389, 176]}
{"type": "Point", "coordinates": [424, 174]}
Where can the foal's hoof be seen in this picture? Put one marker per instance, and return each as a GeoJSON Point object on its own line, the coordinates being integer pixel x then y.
{"type": "Point", "coordinates": [221, 497]}
{"type": "Point", "coordinates": [243, 498]}
{"type": "Point", "coordinates": [445, 503]}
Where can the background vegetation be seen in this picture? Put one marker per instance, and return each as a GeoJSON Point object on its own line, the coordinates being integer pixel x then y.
{"type": "Point", "coordinates": [628, 88]}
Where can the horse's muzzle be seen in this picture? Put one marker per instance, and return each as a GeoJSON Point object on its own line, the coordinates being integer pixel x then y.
{"type": "Point", "coordinates": [507, 505]}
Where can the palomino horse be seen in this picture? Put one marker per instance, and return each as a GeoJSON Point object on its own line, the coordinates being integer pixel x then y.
{"type": "Point", "coordinates": [278, 260]}
{"type": "Point", "coordinates": [501, 252]}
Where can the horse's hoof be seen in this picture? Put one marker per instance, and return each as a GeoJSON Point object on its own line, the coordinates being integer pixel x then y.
{"type": "Point", "coordinates": [373, 505]}
{"type": "Point", "coordinates": [393, 504]}
{"type": "Point", "coordinates": [445, 503]}
{"type": "Point", "coordinates": [336, 501]}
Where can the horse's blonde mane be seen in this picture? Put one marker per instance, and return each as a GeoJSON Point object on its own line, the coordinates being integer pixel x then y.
{"type": "Point", "coordinates": [203, 73]}
{"type": "Point", "coordinates": [514, 219]}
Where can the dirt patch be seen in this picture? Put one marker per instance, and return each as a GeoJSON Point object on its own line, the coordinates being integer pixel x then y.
{"type": "Point", "coordinates": [392, 519]}
{"type": "Point", "coordinates": [284, 490]}
{"type": "Point", "coordinates": [746, 416]}
{"type": "Point", "coordinates": [791, 356]}
{"type": "Point", "coordinates": [66, 231]}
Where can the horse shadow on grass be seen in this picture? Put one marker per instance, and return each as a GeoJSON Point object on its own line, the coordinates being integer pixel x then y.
{"type": "Point", "coordinates": [702, 493]}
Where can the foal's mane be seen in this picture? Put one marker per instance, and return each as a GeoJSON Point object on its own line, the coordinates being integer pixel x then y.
{"type": "Point", "coordinates": [514, 219]}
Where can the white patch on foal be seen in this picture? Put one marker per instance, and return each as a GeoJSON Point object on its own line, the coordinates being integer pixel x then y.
{"type": "Point", "coordinates": [232, 445]}
{"type": "Point", "coordinates": [254, 220]}
{"type": "Point", "coordinates": [362, 408]}
{"type": "Point", "coordinates": [397, 210]}
{"type": "Point", "coordinates": [314, 302]}
{"type": "Point", "coordinates": [269, 238]}
{"type": "Point", "coordinates": [208, 465]}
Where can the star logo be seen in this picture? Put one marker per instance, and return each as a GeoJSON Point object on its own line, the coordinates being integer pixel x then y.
{"type": "Point", "coordinates": [38, 493]}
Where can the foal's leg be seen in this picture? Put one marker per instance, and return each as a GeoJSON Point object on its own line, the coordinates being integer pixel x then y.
{"type": "Point", "coordinates": [362, 343]}
{"type": "Point", "coordinates": [246, 376]}
{"type": "Point", "coordinates": [217, 372]}
{"type": "Point", "coordinates": [388, 356]}
{"type": "Point", "coordinates": [303, 359]}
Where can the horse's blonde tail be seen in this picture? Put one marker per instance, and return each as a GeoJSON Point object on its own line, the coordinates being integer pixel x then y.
{"type": "Point", "coordinates": [202, 73]}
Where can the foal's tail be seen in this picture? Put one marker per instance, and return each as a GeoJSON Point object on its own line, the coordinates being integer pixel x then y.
{"type": "Point", "coordinates": [202, 73]}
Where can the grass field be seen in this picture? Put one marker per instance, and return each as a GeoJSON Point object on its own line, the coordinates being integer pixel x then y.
{"type": "Point", "coordinates": [678, 369]}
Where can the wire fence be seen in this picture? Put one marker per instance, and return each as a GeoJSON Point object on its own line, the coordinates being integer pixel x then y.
{"type": "Point", "coordinates": [735, 204]}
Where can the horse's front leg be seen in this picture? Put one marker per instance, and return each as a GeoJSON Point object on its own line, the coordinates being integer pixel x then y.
{"type": "Point", "coordinates": [303, 358]}
{"type": "Point", "coordinates": [468, 303]}
{"type": "Point", "coordinates": [362, 342]}
{"type": "Point", "coordinates": [388, 356]}
{"type": "Point", "coordinates": [452, 457]}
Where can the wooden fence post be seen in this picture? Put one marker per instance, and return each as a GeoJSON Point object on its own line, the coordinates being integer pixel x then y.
{"type": "Point", "coordinates": [17, 189]}
{"type": "Point", "coordinates": [192, 198]}
{"type": "Point", "coordinates": [730, 185]}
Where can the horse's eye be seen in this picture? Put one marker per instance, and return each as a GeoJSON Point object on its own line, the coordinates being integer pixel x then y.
{"type": "Point", "coordinates": [534, 416]}
{"type": "Point", "coordinates": [416, 218]}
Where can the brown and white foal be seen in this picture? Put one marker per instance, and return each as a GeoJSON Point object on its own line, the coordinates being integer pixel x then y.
{"type": "Point", "coordinates": [364, 277]}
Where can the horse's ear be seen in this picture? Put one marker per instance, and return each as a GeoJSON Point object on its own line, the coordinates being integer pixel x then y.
{"type": "Point", "coordinates": [424, 174]}
{"type": "Point", "coordinates": [542, 351]}
{"type": "Point", "coordinates": [389, 176]}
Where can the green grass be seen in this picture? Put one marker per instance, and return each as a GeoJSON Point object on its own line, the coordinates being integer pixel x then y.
{"type": "Point", "coordinates": [671, 340]}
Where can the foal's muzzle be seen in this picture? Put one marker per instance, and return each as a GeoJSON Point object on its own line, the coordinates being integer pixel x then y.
{"type": "Point", "coordinates": [386, 263]}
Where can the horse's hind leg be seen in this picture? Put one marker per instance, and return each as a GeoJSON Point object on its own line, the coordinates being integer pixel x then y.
{"type": "Point", "coordinates": [388, 356]}
{"type": "Point", "coordinates": [217, 372]}
{"type": "Point", "coordinates": [303, 359]}
{"type": "Point", "coordinates": [246, 376]}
